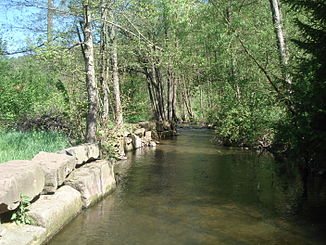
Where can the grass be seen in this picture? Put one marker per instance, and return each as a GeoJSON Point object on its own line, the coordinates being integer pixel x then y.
{"type": "Point", "coordinates": [25, 145]}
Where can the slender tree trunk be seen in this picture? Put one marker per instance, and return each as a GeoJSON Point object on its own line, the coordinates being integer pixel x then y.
{"type": "Point", "coordinates": [155, 88]}
{"type": "Point", "coordinates": [184, 114]}
{"type": "Point", "coordinates": [174, 100]}
{"type": "Point", "coordinates": [280, 36]}
{"type": "Point", "coordinates": [232, 77]}
{"type": "Point", "coordinates": [201, 99]}
{"type": "Point", "coordinates": [104, 80]}
{"type": "Point", "coordinates": [160, 91]}
{"type": "Point", "coordinates": [115, 74]}
{"type": "Point", "coordinates": [91, 122]}
{"type": "Point", "coordinates": [151, 94]}
{"type": "Point", "coordinates": [170, 95]}
{"type": "Point", "coordinates": [157, 92]}
{"type": "Point", "coordinates": [106, 101]}
{"type": "Point", "coordinates": [50, 21]}
{"type": "Point", "coordinates": [187, 101]}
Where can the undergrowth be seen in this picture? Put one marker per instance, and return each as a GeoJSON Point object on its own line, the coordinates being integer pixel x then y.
{"type": "Point", "coordinates": [16, 145]}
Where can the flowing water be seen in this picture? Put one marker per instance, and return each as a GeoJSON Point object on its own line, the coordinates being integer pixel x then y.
{"type": "Point", "coordinates": [189, 191]}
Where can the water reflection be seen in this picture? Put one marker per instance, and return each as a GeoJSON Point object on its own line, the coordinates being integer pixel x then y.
{"type": "Point", "coordinates": [188, 191]}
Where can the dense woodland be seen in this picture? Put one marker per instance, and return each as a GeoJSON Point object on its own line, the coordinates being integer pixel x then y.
{"type": "Point", "coordinates": [254, 69]}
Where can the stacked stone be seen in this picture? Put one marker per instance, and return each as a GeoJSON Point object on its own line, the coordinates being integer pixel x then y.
{"type": "Point", "coordinates": [60, 185]}
{"type": "Point", "coordinates": [143, 136]}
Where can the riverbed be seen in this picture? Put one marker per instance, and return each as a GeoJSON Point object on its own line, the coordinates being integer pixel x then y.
{"type": "Point", "coordinates": [190, 191]}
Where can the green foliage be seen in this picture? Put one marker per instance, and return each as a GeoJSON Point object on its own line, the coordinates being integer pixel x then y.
{"type": "Point", "coordinates": [235, 95]}
{"type": "Point", "coordinates": [3, 46]}
{"type": "Point", "coordinates": [26, 90]}
{"type": "Point", "coordinates": [210, 49]}
{"type": "Point", "coordinates": [36, 86]}
{"type": "Point", "coordinates": [20, 214]}
{"type": "Point", "coordinates": [302, 135]}
{"type": "Point", "coordinates": [244, 117]}
{"type": "Point", "coordinates": [136, 105]}
{"type": "Point", "coordinates": [25, 145]}
{"type": "Point", "coordinates": [110, 138]}
{"type": "Point", "coordinates": [109, 141]}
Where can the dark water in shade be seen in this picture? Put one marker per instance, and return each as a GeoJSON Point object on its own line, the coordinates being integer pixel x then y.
{"type": "Point", "coordinates": [188, 191]}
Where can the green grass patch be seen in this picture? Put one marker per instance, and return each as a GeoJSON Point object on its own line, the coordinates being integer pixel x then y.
{"type": "Point", "coordinates": [25, 145]}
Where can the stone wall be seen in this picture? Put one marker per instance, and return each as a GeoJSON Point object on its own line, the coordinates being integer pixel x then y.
{"type": "Point", "coordinates": [59, 185]}
{"type": "Point", "coordinates": [138, 137]}
{"type": "Point", "coordinates": [147, 134]}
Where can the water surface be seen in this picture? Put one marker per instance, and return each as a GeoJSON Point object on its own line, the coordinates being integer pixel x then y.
{"type": "Point", "coordinates": [188, 191]}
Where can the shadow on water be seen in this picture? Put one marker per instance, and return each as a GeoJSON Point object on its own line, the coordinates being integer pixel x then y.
{"type": "Point", "coordinates": [188, 191]}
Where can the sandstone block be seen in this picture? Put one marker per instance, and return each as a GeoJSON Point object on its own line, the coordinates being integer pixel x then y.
{"type": "Point", "coordinates": [83, 153]}
{"type": "Point", "coordinates": [19, 178]}
{"type": "Point", "coordinates": [128, 146]}
{"type": "Point", "coordinates": [56, 168]}
{"type": "Point", "coordinates": [144, 142]}
{"type": "Point", "coordinates": [126, 133]}
{"type": "Point", "coordinates": [128, 140]}
{"type": "Point", "coordinates": [121, 148]}
{"type": "Point", "coordinates": [23, 235]}
{"type": "Point", "coordinates": [107, 176]}
{"type": "Point", "coordinates": [140, 132]}
{"type": "Point", "coordinates": [136, 141]}
{"type": "Point", "coordinates": [3, 231]}
{"type": "Point", "coordinates": [93, 181]}
{"type": "Point", "coordinates": [148, 136]}
{"type": "Point", "coordinates": [54, 211]}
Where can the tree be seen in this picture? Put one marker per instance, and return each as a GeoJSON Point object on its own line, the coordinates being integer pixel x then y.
{"type": "Point", "coordinates": [104, 61]}
{"type": "Point", "coordinates": [303, 134]}
{"type": "Point", "coordinates": [88, 49]}
{"type": "Point", "coordinates": [115, 72]}
{"type": "Point", "coordinates": [280, 37]}
{"type": "Point", "coordinates": [50, 20]}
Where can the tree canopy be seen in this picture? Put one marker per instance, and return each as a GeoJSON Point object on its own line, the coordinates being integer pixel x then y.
{"type": "Point", "coordinates": [255, 70]}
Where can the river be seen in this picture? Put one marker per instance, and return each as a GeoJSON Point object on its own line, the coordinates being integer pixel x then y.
{"type": "Point", "coordinates": [189, 191]}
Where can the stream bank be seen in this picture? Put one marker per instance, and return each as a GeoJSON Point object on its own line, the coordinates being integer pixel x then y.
{"type": "Point", "coordinates": [189, 191]}
{"type": "Point", "coordinates": [59, 185]}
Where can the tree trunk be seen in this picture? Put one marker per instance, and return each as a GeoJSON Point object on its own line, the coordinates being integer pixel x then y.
{"type": "Point", "coordinates": [50, 21]}
{"type": "Point", "coordinates": [152, 94]}
{"type": "Point", "coordinates": [232, 76]}
{"type": "Point", "coordinates": [115, 74]}
{"type": "Point", "coordinates": [156, 92]}
{"type": "Point", "coordinates": [91, 122]}
{"type": "Point", "coordinates": [174, 100]}
{"type": "Point", "coordinates": [160, 91]}
{"type": "Point", "coordinates": [155, 88]}
{"type": "Point", "coordinates": [170, 95]}
{"type": "Point", "coordinates": [201, 100]}
{"type": "Point", "coordinates": [280, 36]}
{"type": "Point", "coordinates": [104, 80]}
{"type": "Point", "coordinates": [187, 100]}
